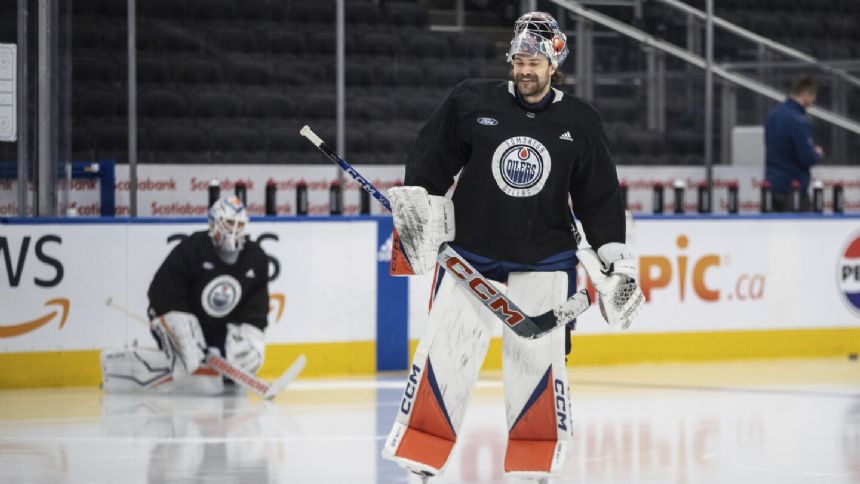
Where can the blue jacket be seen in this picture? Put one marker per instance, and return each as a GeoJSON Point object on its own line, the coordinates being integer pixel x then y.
{"type": "Point", "coordinates": [789, 151]}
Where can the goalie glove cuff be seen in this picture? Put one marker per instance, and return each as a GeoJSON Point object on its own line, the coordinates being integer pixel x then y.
{"type": "Point", "coordinates": [617, 259]}
{"type": "Point", "coordinates": [423, 222]}
{"type": "Point", "coordinates": [613, 272]}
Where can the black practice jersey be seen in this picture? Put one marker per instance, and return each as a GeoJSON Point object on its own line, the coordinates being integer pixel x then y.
{"type": "Point", "coordinates": [518, 169]}
{"type": "Point", "coordinates": [193, 279]}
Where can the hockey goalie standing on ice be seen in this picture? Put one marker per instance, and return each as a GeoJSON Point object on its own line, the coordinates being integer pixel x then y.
{"type": "Point", "coordinates": [522, 149]}
{"type": "Point", "coordinates": [210, 293]}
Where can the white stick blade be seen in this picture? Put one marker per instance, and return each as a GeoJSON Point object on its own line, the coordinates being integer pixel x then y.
{"type": "Point", "coordinates": [278, 385]}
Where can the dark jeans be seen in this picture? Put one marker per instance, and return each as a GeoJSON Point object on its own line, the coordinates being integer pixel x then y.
{"type": "Point", "coordinates": [782, 202]}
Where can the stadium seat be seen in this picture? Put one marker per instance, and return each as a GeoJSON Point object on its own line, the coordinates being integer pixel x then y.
{"type": "Point", "coordinates": [110, 136]}
{"type": "Point", "coordinates": [283, 41]}
{"type": "Point", "coordinates": [379, 43]}
{"type": "Point", "coordinates": [370, 107]}
{"type": "Point", "coordinates": [215, 103]}
{"type": "Point", "coordinates": [229, 40]}
{"type": "Point", "coordinates": [237, 144]}
{"type": "Point", "coordinates": [269, 105]}
{"type": "Point", "coordinates": [168, 9]}
{"type": "Point", "coordinates": [317, 106]}
{"type": "Point", "coordinates": [152, 68]}
{"type": "Point", "coordinates": [256, 10]}
{"type": "Point", "coordinates": [101, 103]}
{"type": "Point", "coordinates": [447, 74]}
{"type": "Point", "coordinates": [362, 13]}
{"type": "Point", "coordinates": [415, 108]}
{"type": "Point", "coordinates": [247, 71]}
{"type": "Point", "coordinates": [212, 9]}
{"type": "Point", "coordinates": [426, 44]}
{"type": "Point", "coordinates": [299, 73]}
{"type": "Point", "coordinates": [408, 74]}
{"type": "Point", "coordinates": [161, 103]}
{"type": "Point", "coordinates": [178, 137]}
{"type": "Point", "coordinates": [402, 14]}
{"type": "Point", "coordinates": [285, 137]}
{"type": "Point", "coordinates": [191, 70]}
{"type": "Point", "coordinates": [86, 35]}
{"type": "Point", "coordinates": [360, 74]}
{"type": "Point", "coordinates": [96, 68]}
{"type": "Point", "coordinates": [305, 12]}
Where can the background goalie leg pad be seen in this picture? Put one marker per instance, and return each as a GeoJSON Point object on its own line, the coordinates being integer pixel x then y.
{"type": "Point", "coordinates": [535, 380]}
{"type": "Point", "coordinates": [443, 373]}
{"type": "Point", "coordinates": [136, 370]}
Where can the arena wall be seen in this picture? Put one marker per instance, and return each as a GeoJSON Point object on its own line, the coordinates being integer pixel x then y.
{"type": "Point", "coordinates": [716, 288]}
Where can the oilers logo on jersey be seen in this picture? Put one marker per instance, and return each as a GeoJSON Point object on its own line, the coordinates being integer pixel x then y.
{"type": "Point", "coordinates": [521, 166]}
{"type": "Point", "coordinates": [221, 295]}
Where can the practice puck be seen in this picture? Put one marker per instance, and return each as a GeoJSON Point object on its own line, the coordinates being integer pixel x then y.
{"type": "Point", "coordinates": [852, 356]}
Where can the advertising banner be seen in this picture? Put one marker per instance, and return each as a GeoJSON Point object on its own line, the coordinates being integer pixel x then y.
{"type": "Point", "coordinates": [57, 279]}
{"type": "Point", "coordinates": [181, 190]}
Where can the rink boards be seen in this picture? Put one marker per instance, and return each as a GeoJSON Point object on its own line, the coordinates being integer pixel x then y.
{"type": "Point", "coordinates": [716, 288]}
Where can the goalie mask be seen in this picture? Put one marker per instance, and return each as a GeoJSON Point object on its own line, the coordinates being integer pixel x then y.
{"type": "Point", "coordinates": [538, 33]}
{"type": "Point", "coordinates": [227, 221]}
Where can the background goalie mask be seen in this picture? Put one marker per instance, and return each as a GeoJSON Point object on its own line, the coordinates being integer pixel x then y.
{"type": "Point", "coordinates": [538, 33]}
{"type": "Point", "coordinates": [227, 221]}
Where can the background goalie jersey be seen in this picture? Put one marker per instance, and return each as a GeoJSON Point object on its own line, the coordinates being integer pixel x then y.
{"type": "Point", "coordinates": [194, 279]}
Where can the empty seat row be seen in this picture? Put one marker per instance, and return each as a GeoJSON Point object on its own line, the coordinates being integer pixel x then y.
{"type": "Point", "coordinates": [220, 103]}
{"type": "Point", "coordinates": [250, 71]}
{"type": "Point", "coordinates": [304, 11]}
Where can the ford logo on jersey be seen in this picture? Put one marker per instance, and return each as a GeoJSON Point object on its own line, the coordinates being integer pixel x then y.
{"type": "Point", "coordinates": [521, 166]}
{"type": "Point", "coordinates": [488, 121]}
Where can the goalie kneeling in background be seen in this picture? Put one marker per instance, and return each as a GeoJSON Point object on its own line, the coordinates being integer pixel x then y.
{"type": "Point", "coordinates": [210, 293]}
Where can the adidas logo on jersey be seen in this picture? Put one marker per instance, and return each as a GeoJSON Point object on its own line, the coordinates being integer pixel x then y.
{"type": "Point", "coordinates": [566, 136]}
{"type": "Point", "coordinates": [208, 266]}
{"type": "Point", "coordinates": [250, 274]}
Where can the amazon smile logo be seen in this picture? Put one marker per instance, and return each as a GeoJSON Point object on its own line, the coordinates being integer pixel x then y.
{"type": "Point", "coordinates": [277, 301]}
{"type": "Point", "coordinates": [13, 330]}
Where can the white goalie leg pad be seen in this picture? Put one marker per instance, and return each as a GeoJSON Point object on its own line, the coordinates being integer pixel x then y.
{"type": "Point", "coordinates": [147, 370]}
{"type": "Point", "coordinates": [423, 222]}
{"type": "Point", "coordinates": [443, 372]}
{"type": "Point", "coordinates": [135, 370]}
{"type": "Point", "coordinates": [535, 378]}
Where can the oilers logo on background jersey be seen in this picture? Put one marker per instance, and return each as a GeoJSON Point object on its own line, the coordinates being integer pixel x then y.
{"type": "Point", "coordinates": [521, 166]}
{"type": "Point", "coordinates": [221, 295]}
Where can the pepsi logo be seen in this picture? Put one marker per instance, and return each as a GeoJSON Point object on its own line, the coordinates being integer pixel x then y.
{"type": "Point", "coordinates": [848, 274]}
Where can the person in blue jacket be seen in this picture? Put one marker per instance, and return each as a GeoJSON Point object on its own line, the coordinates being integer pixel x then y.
{"type": "Point", "coordinates": [789, 149]}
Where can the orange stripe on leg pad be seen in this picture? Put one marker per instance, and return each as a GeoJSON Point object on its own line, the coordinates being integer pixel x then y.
{"type": "Point", "coordinates": [531, 442]}
{"type": "Point", "coordinates": [529, 455]}
{"type": "Point", "coordinates": [425, 448]}
{"type": "Point", "coordinates": [429, 437]}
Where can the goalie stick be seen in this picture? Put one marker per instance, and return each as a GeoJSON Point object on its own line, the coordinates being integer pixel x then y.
{"type": "Point", "coordinates": [468, 277]}
{"type": "Point", "coordinates": [231, 371]}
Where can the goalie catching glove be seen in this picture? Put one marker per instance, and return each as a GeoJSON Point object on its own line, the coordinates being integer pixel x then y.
{"type": "Point", "coordinates": [245, 346]}
{"type": "Point", "coordinates": [422, 223]}
{"type": "Point", "coordinates": [181, 340]}
{"type": "Point", "coordinates": [613, 271]}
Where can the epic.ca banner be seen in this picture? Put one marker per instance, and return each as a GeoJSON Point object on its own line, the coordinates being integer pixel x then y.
{"type": "Point", "coordinates": [713, 275]}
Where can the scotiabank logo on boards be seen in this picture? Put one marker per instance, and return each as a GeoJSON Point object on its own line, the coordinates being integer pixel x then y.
{"type": "Point", "coordinates": [696, 276]}
{"type": "Point", "coordinates": [848, 274]}
{"type": "Point", "coordinates": [17, 255]}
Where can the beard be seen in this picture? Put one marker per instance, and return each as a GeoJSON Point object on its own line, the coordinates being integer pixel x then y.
{"type": "Point", "coordinates": [531, 84]}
